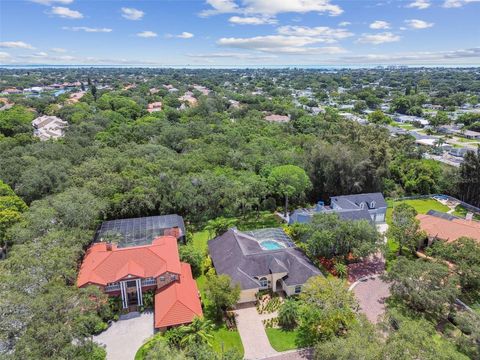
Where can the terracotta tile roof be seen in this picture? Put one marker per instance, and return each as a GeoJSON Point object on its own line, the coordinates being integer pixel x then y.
{"type": "Point", "coordinates": [179, 302]}
{"type": "Point", "coordinates": [102, 266]}
{"type": "Point", "coordinates": [449, 230]}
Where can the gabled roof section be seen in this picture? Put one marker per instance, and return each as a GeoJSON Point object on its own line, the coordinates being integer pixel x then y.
{"type": "Point", "coordinates": [106, 263]}
{"type": "Point", "coordinates": [241, 257]}
{"type": "Point", "coordinates": [449, 230]}
{"type": "Point", "coordinates": [354, 201]}
{"type": "Point", "coordinates": [178, 303]}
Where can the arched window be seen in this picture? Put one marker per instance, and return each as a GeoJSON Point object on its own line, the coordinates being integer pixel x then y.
{"type": "Point", "coordinates": [263, 282]}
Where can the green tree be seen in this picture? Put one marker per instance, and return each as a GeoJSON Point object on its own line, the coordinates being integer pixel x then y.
{"type": "Point", "coordinates": [327, 310]}
{"type": "Point", "coordinates": [405, 228]}
{"type": "Point", "coordinates": [288, 314]}
{"type": "Point", "coordinates": [361, 342]}
{"type": "Point", "coordinates": [198, 331]}
{"type": "Point", "coordinates": [221, 292]}
{"type": "Point", "coordinates": [378, 117]}
{"type": "Point", "coordinates": [417, 339]}
{"type": "Point", "coordinates": [329, 236]}
{"type": "Point", "coordinates": [424, 286]}
{"type": "Point", "coordinates": [193, 256]}
{"type": "Point", "coordinates": [288, 181]}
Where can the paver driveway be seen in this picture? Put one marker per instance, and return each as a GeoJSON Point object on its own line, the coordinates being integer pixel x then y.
{"type": "Point", "coordinates": [254, 339]}
{"type": "Point", "coordinates": [124, 337]}
{"type": "Point", "coordinates": [371, 295]}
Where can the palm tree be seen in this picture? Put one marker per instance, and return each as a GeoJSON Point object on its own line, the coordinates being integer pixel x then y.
{"type": "Point", "coordinates": [198, 331]}
{"type": "Point", "coordinates": [288, 314]}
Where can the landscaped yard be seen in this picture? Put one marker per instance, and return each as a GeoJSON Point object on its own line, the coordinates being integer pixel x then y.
{"type": "Point", "coordinates": [282, 340]}
{"type": "Point", "coordinates": [460, 211]}
{"type": "Point", "coordinates": [421, 205]}
{"type": "Point", "coordinates": [224, 339]}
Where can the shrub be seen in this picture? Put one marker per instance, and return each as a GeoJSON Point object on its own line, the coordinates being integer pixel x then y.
{"type": "Point", "coordinates": [288, 314]}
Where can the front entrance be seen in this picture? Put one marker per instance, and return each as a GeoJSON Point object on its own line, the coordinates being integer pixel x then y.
{"type": "Point", "coordinates": [131, 291]}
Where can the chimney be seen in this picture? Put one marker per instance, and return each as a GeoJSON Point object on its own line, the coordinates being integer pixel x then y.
{"type": "Point", "coordinates": [109, 246]}
{"type": "Point", "coordinates": [469, 216]}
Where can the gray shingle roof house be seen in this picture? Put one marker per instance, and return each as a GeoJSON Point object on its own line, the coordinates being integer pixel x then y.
{"type": "Point", "coordinates": [260, 263]}
{"type": "Point", "coordinates": [370, 206]}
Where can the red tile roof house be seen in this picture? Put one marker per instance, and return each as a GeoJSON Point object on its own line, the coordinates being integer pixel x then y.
{"type": "Point", "coordinates": [130, 272]}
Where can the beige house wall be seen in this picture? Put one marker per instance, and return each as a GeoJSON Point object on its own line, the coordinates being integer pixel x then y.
{"type": "Point", "coordinates": [248, 295]}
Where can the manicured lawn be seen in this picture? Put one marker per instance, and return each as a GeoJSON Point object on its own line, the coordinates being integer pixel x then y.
{"type": "Point", "coordinates": [421, 205]}
{"type": "Point", "coordinates": [461, 212]}
{"type": "Point", "coordinates": [222, 337]}
{"type": "Point", "coordinates": [226, 338]}
{"type": "Point", "coordinates": [200, 240]}
{"type": "Point", "coordinates": [282, 340]}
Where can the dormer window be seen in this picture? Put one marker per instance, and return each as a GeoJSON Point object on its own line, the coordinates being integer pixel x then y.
{"type": "Point", "coordinates": [362, 205]}
{"type": "Point", "coordinates": [372, 205]}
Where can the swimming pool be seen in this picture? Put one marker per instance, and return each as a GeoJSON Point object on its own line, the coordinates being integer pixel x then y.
{"type": "Point", "coordinates": [271, 245]}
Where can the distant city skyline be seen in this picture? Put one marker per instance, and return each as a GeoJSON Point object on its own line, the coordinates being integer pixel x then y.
{"type": "Point", "coordinates": [239, 33]}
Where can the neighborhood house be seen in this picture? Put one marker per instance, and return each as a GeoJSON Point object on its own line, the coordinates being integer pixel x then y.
{"type": "Point", "coordinates": [260, 260]}
{"type": "Point", "coordinates": [48, 127]}
{"type": "Point", "coordinates": [371, 207]}
{"type": "Point", "coordinates": [446, 227]}
{"type": "Point", "coordinates": [130, 272]}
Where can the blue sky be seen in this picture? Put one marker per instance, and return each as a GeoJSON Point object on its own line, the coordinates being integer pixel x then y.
{"type": "Point", "coordinates": [239, 32]}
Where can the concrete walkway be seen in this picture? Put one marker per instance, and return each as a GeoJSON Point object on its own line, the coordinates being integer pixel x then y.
{"type": "Point", "coordinates": [124, 337]}
{"type": "Point", "coordinates": [254, 338]}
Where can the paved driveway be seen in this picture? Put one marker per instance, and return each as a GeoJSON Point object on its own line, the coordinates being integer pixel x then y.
{"type": "Point", "coordinates": [254, 339]}
{"type": "Point", "coordinates": [371, 295]}
{"type": "Point", "coordinates": [124, 337]}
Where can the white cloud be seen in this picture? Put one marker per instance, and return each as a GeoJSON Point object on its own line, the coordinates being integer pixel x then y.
{"type": "Point", "coordinates": [5, 55]}
{"type": "Point", "coordinates": [242, 56]}
{"type": "Point", "coordinates": [379, 24]}
{"type": "Point", "coordinates": [457, 3]}
{"type": "Point", "coordinates": [279, 44]}
{"type": "Point", "coordinates": [58, 50]}
{"type": "Point", "coordinates": [147, 34]}
{"type": "Point", "coordinates": [87, 29]}
{"type": "Point", "coordinates": [271, 7]}
{"type": "Point", "coordinates": [220, 7]}
{"type": "Point", "coordinates": [380, 38]}
{"type": "Point", "coordinates": [441, 57]}
{"type": "Point", "coordinates": [15, 45]}
{"type": "Point", "coordinates": [419, 4]}
{"type": "Point", "coordinates": [50, 2]}
{"type": "Point", "coordinates": [320, 33]}
{"type": "Point", "coordinates": [65, 12]}
{"type": "Point", "coordinates": [418, 24]}
{"type": "Point", "coordinates": [252, 20]}
{"type": "Point", "coordinates": [344, 23]}
{"type": "Point", "coordinates": [132, 14]}
{"type": "Point", "coordinates": [183, 35]}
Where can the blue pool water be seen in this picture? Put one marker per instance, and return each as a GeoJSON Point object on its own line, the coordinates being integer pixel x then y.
{"type": "Point", "coordinates": [271, 245]}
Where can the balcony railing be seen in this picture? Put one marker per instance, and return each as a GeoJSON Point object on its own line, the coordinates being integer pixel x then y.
{"type": "Point", "coordinates": [112, 287]}
{"type": "Point", "coordinates": [148, 282]}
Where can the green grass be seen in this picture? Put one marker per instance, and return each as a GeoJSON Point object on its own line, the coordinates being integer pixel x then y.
{"type": "Point", "coordinates": [229, 340]}
{"type": "Point", "coordinates": [282, 340]}
{"type": "Point", "coordinates": [222, 337]}
{"type": "Point", "coordinates": [460, 211]}
{"type": "Point", "coordinates": [465, 140]}
{"type": "Point", "coordinates": [421, 205]}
